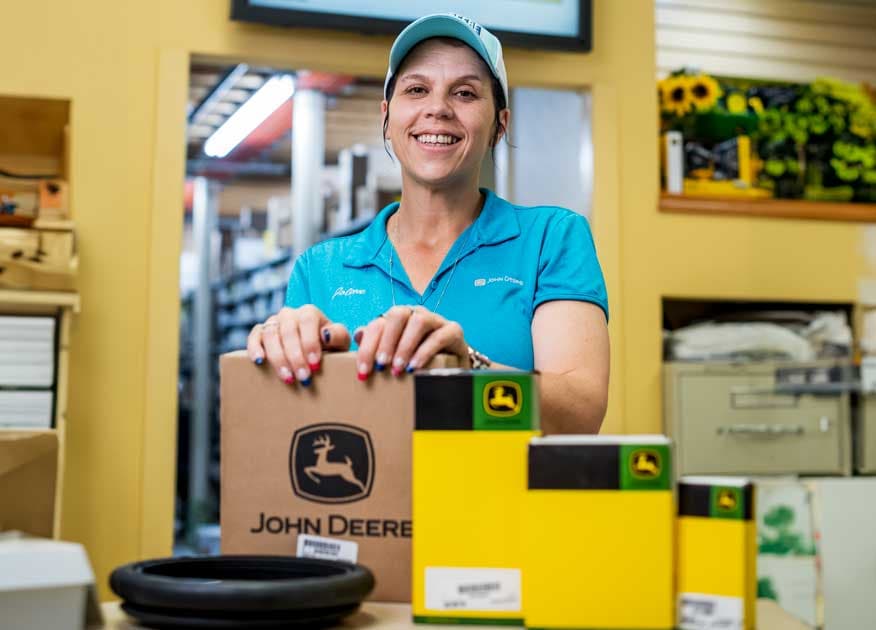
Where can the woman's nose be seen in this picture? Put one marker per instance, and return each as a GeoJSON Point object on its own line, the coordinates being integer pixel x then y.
{"type": "Point", "coordinates": [439, 107]}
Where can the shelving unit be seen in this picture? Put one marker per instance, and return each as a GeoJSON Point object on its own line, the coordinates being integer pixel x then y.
{"type": "Point", "coordinates": [63, 305]}
{"type": "Point", "coordinates": [768, 208]}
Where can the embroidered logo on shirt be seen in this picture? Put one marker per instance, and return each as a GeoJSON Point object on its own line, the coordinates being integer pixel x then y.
{"type": "Point", "coordinates": [482, 282]}
{"type": "Point", "coordinates": [342, 292]}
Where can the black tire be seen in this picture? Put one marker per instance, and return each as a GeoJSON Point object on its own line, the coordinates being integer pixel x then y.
{"type": "Point", "coordinates": [240, 591]}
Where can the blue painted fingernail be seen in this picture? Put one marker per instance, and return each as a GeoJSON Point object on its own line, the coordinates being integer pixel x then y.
{"type": "Point", "coordinates": [379, 366]}
{"type": "Point", "coordinates": [409, 368]}
{"type": "Point", "coordinates": [305, 382]}
{"type": "Point", "coordinates": [259, 360]}
{"type": "Point", "coordinates": [326, 335]}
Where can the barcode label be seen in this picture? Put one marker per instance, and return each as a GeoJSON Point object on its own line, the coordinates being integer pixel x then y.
{"type": "Point", "coordinates": [327, 548]}
{"type": "Point", "coordinates": [450, 588]}
{"type": "Point", "coordinates": [697, 611]}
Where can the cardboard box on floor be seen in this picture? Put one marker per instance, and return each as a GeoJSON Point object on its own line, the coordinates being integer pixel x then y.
{"type": "Point", "coordinates": [28, 474]}
{"type": "Point", "coordinates": [331, 460]}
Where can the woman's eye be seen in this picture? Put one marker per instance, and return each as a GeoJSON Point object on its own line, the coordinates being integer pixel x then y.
{"type": "Point", "coordinates": [466, 93]}
{"type": "Point", "coordinates": [416, 89]}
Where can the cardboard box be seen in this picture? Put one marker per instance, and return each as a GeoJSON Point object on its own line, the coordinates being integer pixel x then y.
{"type": "Point", "coordinates": [28, 474]}
{"type": "Point", "coordinates": [332, 460]}
{"type": "Point", "coordinates": [471, 433]}
{"type": "Point", "coordinates": [599, 537]}
{"type": "Point", "coordinates": [46, 584]}
{"type": "Point", "coordinates": [717, 553]}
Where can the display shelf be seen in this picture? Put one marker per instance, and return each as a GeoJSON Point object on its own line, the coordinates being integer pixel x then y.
{"type": "Point", "coordinates": [60, 225]}
{"type": "Point", "coordinates": [242, 274]}
{"type": "Point", "coordinates": [241, 323]}
{"type": "Point", "coordinates": [22, 297]}
{"type": "Point", "coordinates": [768, 208]}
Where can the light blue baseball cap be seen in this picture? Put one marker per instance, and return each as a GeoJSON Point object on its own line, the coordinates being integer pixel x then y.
{"type": "Point", "coordinates": [456, 26]}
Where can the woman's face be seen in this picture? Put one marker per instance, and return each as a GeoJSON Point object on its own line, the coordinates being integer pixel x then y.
{"type": "Point", "coordinates": [442, 118]}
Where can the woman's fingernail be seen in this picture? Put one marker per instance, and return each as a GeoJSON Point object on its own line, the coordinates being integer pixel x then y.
{"type": "Point", "coordinates": [259, 360]}
{"type": "Point", "coordinates": [412, 365]}
{"type": "Point", "coordinates": [286, 375]}
{"type": "Point", "coordinates": [382, 360]}
{"type": "Point", "coordinates": [362, 371]}
{"type": "Point", "coordinates": [303, 376]}
{"type": "Point", "coordinates": [398, 366]}
{"type": "Point", "coordinates": [313, 362]}
{"type": "Point", "coordinates": [326, 335]}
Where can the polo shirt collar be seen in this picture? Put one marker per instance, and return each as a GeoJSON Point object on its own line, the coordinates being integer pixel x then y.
{"type": "Point", "coordinates": [497, 223]}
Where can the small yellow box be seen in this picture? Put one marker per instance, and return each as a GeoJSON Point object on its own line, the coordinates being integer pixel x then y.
{"type": "Point", "coordinates": [471, 434]}
{"type": "Point", "coordinates": [599, 538]}
{"type": "Point", "coordinates": [717, 553]}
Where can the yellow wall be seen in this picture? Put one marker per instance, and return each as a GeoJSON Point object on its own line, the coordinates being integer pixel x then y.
{"type": "Point", "coordinates": [124, 65]}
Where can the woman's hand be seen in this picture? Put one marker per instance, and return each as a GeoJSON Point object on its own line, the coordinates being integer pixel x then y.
{"type": "Point", "coordinates": [406, 338]}
{"type": "Point", "coordinates": [293, 341]}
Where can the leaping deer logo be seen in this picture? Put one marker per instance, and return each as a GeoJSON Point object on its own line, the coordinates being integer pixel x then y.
{"type": "Point", "coordinates": [503, 398]}
{"type": "Point", "coordinates": [324, 468]}
{"type": "Point", "coordinates": [645, 464]}
{"type": "Point", "coordinates": [727, 500]}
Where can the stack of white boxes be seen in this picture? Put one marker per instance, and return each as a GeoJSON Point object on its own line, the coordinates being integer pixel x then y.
{"type": "Point", "coordinates": [27, 371]}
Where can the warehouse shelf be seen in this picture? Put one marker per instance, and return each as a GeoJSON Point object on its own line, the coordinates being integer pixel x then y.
{"type": "Point", "coordinates": [250, 295]}
{"type": "Point", "coordinates": [769, 208]}
{"type": "Point", "coordinates": [24, 297]}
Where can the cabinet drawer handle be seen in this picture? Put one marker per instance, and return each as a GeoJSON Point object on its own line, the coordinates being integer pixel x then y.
{"type": "Point", "coordinates": [761, 430]}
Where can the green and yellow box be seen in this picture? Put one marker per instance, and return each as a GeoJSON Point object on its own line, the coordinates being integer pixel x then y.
{"type": "Point", "coordinates": [717, 553]}
{"type": "Point", "coordinates": [599, 537]}
{"type": "Point", "coordinates": [472, 430]}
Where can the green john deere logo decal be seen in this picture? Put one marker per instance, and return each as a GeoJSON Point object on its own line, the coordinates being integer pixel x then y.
{"type": "Point", "coordinates": [503, 398]}
{"type": "Point", "coordinates": [726, 500]}
{"type": "Point", "coordinates": [645, 464]}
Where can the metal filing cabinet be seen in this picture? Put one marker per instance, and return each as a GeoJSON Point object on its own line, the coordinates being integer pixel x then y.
{"type": "Point", "coordinates": [865, 435]}
{"type": "Point", "coordinates": [729, 418]}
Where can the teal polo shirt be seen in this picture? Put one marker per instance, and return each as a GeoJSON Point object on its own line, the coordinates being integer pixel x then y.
{"type": "Point", "coordinates": [510, 260]}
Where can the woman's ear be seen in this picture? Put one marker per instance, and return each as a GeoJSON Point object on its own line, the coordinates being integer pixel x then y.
{"type": "Point", "coordinates": [384, 108]}
{"type": "Point", "coordinates": [505, 120]}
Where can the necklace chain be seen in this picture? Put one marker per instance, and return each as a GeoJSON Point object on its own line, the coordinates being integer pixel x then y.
{"type": "Point", "coordinates": [449, 278]}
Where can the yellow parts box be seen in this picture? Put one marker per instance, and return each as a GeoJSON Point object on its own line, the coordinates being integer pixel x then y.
{"type": "Point", "coordinates": [471, 433]}
{"type": "Point", "coordinates": [599, 537]}
{"type": "Point", "coordinates": [717, 553]}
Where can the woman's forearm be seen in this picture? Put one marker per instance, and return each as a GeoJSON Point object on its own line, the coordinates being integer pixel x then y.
{"type": "Point", "coordinates": [569, 404]}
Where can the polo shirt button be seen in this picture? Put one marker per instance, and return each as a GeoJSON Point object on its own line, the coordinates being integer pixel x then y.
{"type": "Point", "coordinates": [434, 284]}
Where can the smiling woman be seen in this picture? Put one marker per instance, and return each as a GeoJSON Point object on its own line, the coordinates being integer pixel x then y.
{"type": "Point", "coordinates": [452, 267]}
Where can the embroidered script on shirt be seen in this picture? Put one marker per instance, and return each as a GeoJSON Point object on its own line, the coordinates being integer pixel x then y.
{"type": "Point", "coordinates": [342, 292]}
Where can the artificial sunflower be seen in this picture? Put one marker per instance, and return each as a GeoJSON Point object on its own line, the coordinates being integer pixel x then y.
{"type": "Point", "coordinates": [676, 95]}
{"type": "Point", "coordinates": [704, 91]}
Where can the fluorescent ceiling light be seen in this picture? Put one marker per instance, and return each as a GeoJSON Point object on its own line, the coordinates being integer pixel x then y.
{"type": "Point", "coordinates": [276, 91]}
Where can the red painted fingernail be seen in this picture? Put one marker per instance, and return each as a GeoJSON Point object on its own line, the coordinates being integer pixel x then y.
{"type": "Point", "coordinates": [289, 380]}
{"type": "Point", "coordinates": [396, 372]}
{"type": "Point", "coordinates": [314, 367]}
{"type": "Point", "coordinates": [361, 377]}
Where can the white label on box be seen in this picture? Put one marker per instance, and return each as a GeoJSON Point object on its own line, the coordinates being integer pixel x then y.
{"type": "Point", "coordinates": [327, 548]}
{"type": "Point", "coordinates": [472, 589]}
{"type": "Point", "coordinates": [697, 611]}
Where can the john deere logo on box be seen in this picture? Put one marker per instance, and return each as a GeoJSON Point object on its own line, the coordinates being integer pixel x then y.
{"type": "Point", "coordinates": [726, 502]}
{"type": "Point", "coordinates": [645, 464]}
{"type": "Point", "coordinates": [502, 398]}
{"type": "Point", "coordinates": [644, 467]}
{"type": "Point", "coordinates": [331, 463]}
{"type": "Point", "coordinates": [503, 403]}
